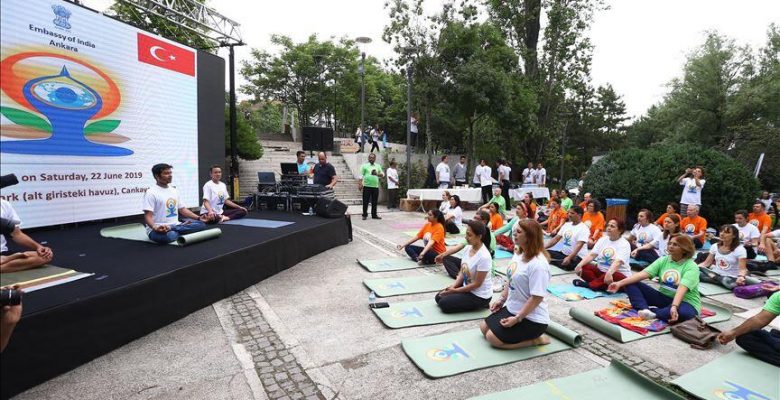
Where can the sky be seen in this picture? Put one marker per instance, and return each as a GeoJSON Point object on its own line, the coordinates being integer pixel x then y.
{"type": "Point", "coordinates": [640, 45]}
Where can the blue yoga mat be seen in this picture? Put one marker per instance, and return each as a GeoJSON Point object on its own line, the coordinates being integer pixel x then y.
{"type": "Point", "coordinates": [575, 293]}
{"type": "Point", "coordinates": [258, 223]}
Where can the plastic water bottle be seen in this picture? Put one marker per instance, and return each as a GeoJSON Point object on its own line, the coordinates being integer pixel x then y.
{"type": "Point", "coordinates": [371, 298]}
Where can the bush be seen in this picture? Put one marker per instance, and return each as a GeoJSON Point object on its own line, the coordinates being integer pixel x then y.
{"type": "Point", "coordinates": [648, 178]}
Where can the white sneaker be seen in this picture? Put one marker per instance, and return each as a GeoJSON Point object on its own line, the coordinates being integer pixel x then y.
{"type": "Point", "coordinates": [646, 314]}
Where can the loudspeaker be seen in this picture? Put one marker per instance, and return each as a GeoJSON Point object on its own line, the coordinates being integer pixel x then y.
{"type": "Point", "coordinates": [317, 139]}
{"type": "Point", "coordinates": [330, 208]}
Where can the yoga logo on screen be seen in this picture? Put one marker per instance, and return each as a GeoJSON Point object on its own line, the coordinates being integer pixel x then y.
{"type": "Point", "coordinates": [66, 101]}
{"type": "Point", "coordinates": [738, 393]}
{"type": "Point", "coordinates": [61, 16]}
{"type": "Point", "coordinates": [454, 352]}
{"type": "Point", "coordinates": [413, 312]}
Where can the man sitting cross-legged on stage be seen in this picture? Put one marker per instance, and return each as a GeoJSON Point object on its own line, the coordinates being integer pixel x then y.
{"type": "Point", "coordinates": [162, 208]}
{"type": "Point", "coordinates": [38, 254]}
{"type": "Point", "coordinates": [216, 197]}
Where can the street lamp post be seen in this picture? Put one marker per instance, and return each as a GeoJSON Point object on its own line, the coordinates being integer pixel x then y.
{"type": "Point", "coordinates": [409, 127]}
{"type": "Point", "coordinates": [362, 71]}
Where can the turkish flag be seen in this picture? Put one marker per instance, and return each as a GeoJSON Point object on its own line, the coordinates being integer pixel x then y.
{"type": "Point", "coordinates": [165, 55]}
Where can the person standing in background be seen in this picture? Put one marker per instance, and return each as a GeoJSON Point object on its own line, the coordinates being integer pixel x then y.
{"type": "Point", "coordinates": [370, 173]}
{"type": "Point", "coordinates": [692, 182]}
{"type": "Point", "coordinates": [460, 172]}
{"type": "Point", "coordinates": [375, 138]}
{"type": "Point", "coordinates": [540, 176]}
{"type": "Point", "coordinates": [528, 174]}
{"type": "Point", "coordinates": [503, 178]}
{"type": "Point", "coordinates": [392, 185]}
{"type": "Point", "coordinates": [443, 174]}
{"type": "Point", "coordinates": [485, 180]}
{"type": "Point", "coordinates": [475, 182]}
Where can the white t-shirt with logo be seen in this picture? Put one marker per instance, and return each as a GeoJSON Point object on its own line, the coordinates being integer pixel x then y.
{"type": "Point", "coordinates": [571, 234]}
{"type": "Point", "coordinates": [457, 213]}
{"type": "Point", "coordinates": [443, 172]}
{"type": "Point", "coordinates": [484, 176]}
{"type": "Point", "coordinates": [540, 175]}
{"type": "Point", "coordinates": [747, 233]}
{"type": "Point", "coordinates": [660, 244]}
{"type": "Point", "coordinates": [392, 173]}
{"type": "Point", "coordinates": [727, 264]}
{"type": "Point", "coordinates": [479, 262]}
{"type": "Point", "coordinates": [646, 234]}
{"type": "Point", "coordinates": [7, 211]}
{"type": "Point", "coordinates": [216, 194]}
{"type": "Point", "coordinates": [164, 203]}
{"type": "Point", "coordinates": [691, 193]}
{"type": "Point", "coordinates": [528, 175]}
{"type": "Point", "coordinates": [607, 251]}
{"type": "Point", "coordinates": [528, 279]}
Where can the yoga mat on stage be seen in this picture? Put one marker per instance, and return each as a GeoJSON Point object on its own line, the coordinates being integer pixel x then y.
{"type": "Point", "coordinates": [137, 232]}
{"type": "Point", "coordinates": [616, 381]}
{"type": "Point", "coordinates": [406, 285]}
{"type": "Point", "coordinates": [390, 264]}
{"type": "Point", "coordinates": [258, 223]}
{"type": "Point", "coordinates": [570, 292]}
{"type": "Point", "coordinates": [736, 375]}
{"type": "Point", "coordinates": [711, 289]}
{"type": "Point", "coordinates": [424, 312]}
{"type": "Point", "coordinates": [457, 352]}
{"type": "Point", "coordinates": [42, 277]}
{"type": "Point", "coordinates": [623, 335]}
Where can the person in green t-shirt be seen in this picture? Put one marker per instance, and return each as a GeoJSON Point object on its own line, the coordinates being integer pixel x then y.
{"type": "Point", "coordinates": [760, 343]}
{"type": "Point", "coordinates": [678, 299]}
{"type": "Point", "coordinates": [498, 199]}
{"type": "Point", "coordinates": [566, 202]}
{"type": "Point", "coordinates": [369, 184]}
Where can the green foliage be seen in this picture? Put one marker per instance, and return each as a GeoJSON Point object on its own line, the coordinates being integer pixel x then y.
{"type": "Point", "coordinates": [419, 175]}
{"type": "Point", "coordinates": [160, 26]}
{"type": "Point", "coordinates": [648, 178]}
{"type": "Point", "coordinates": [249, 148]}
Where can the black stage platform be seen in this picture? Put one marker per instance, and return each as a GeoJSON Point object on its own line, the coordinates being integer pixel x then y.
{"type": "Point", "coordinates": [140, 287]}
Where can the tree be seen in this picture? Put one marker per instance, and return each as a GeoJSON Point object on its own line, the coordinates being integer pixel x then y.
{"type": "Point", "coordinates": [249, 148]}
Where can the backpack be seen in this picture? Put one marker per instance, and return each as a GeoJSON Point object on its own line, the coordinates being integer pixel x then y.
{"type": "Point", "coordinates": [696, 332]}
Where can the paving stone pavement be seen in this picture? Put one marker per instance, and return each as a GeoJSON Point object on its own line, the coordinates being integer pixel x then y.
{"type": "Point", "coordinates": [280, 373]}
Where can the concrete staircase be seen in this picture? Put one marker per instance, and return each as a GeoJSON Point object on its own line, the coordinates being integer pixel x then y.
{"type": "Point", "coordinates": [277, 152]}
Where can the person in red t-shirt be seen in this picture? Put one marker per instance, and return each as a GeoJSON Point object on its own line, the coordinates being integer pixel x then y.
{"type": "Point", "coordinates": [432, 235]}
{"type": "Point", "coordinates": [694, 226]}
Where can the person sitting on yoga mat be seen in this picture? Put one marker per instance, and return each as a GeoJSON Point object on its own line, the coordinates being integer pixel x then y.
{"type": "Point", "coordinates": [671, 208]}
{"type": "Point", "coordinates": [37, 255]}
{"type": "Point", "coordinates": [556, 219]}
{"type": "Point", "coordinates": [444, 207]}
{"type": "Point", "coordinates": [432, 235]}
{"type": "Point", "coordinates": [451, 263]}
{"type": "Point", "coordinates": [611, 254]}
{"type": "Point", "coordinates": [751, 336]}
{"type": "Point", "coordinates": [471, 290]}
{"type": "Point", "coordinates": [505, 233]}
{"type": "Point", "coordinates": [575, 241]}
{"type": "Point", "coordinates": [520, 315]}
{"type": "Point", "coordinates": [497, 199]}
{"type": "Point", "coordinates": [642, 237]}
{"type": "Point", "coordinates": [678, 298]}
{"type": "Point", "coordinates": [748, 233]}
{"type": "Point", "coordinates": [726, 264]}
{"type": "Point", "coordinates": [217, 206]}
{"type": "Point", "coordinates": [694, 226]}
{"type": "Point", "coordinates": [162, 207]}
{"type": "Point", "coordinates": [760, 218]}
{"type": "Point", "coordinates": [671, 227]}
{"type": "Point", "coordinates": [454, 216]}
{"type": "Point", "coordinates": [768, 244]}
{"type": "Point", "coordinates": [594, 219]}
{"type": "Point", "coordinates": [496, 219]}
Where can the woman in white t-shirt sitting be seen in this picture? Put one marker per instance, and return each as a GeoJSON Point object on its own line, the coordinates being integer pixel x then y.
{"type": "Point", "coordinates": [644, 232]}
{"type": "Point", "coordinates": [444, 206]}
{"type": "Point", "coordinates": [611, 254]}
{"type": "Point", "coordinates": [471, 290]}
{"type": "Point", "coordinates": [520, 315]}
{"type": "Point", "coordinates": [453, 218]}
{"type": "Point", "coordinates": [726, 264]}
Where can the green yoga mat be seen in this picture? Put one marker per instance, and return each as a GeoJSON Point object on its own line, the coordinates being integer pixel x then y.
{"type": "Point", "coordinates": [137, 232]}
{"type": "Point", "coordinates": [406, 285]}
{"type": "Point", "coordinates": [457, 352]}
{"type": "Point", "coordinates": [390, 264]}
{"type": "Point", "coordinates": [425, 312]}
{"type": "Point", "coordinates": [616, 381]}
{"type": "Point", "coordinates": [711, 289]}
{"type": "Point", "coordinates": [736, 375]}
{"type": "Point", "coordinates": [624, 335]}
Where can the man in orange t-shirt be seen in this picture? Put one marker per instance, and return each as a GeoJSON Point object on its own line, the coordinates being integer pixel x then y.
{"type": "Point", "coordinates": [432, 235]}
{"type": "Point", "coordinates": [759, 218]}
{"type": "Point", "coordinates": [584, 203]}
{"type": "Point", "coordinates": [694, 226]}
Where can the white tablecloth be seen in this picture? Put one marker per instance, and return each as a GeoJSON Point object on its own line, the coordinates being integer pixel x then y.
{"type": "Point", "coordinates": [536, 192]}
{"type": "Point", "coordinates": [471, 195]}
